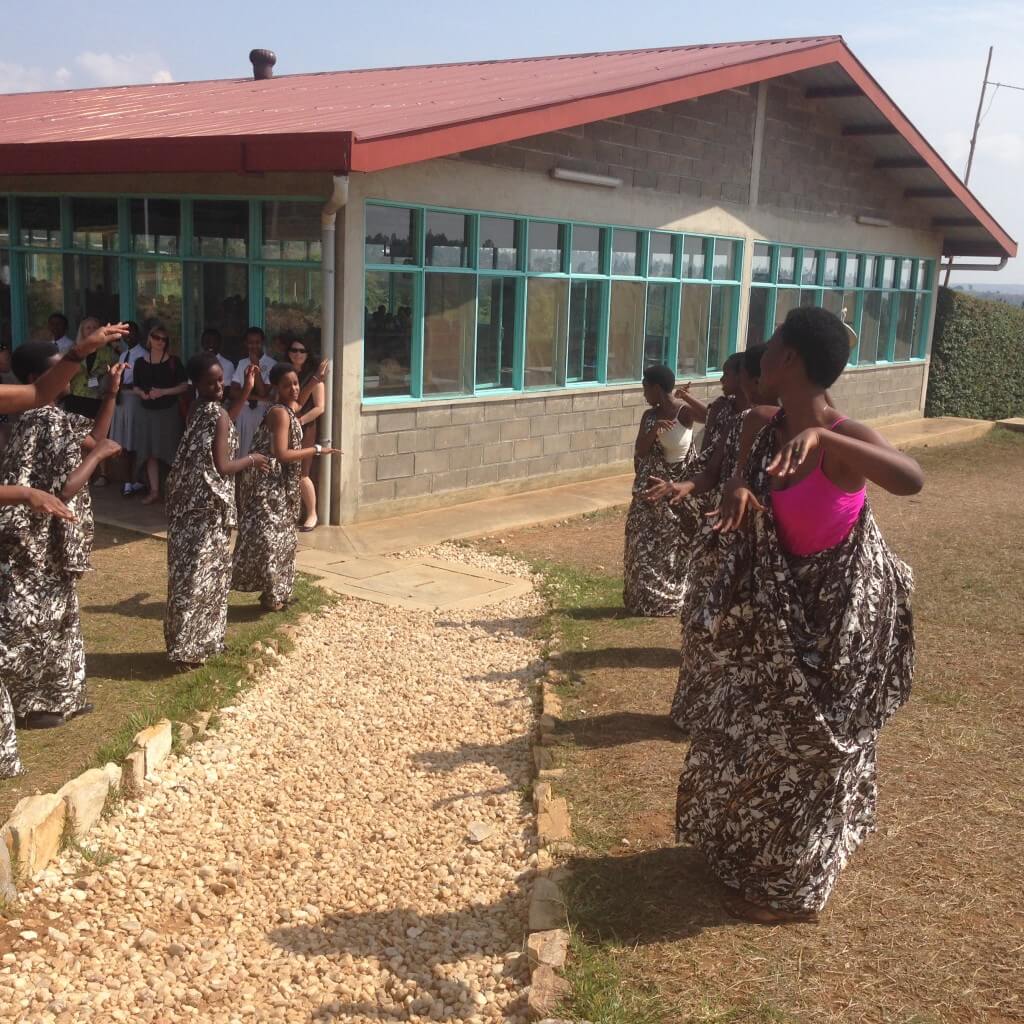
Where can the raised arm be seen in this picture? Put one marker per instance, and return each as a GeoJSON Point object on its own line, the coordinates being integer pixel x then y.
{"type": "Point", "coordinates": [697, 407]}
{"type": "Point", "coordinates": [102, 425]}
{"type": "Point", "coordinates": [279, 440]}
{"type": "Point", "coordinates": [79, 477]}
{"type": "Point", "coordinates": [240, 393]}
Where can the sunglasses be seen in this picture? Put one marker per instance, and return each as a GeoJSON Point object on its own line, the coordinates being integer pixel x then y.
{"type": "Point", "coordinates": [160, 337]}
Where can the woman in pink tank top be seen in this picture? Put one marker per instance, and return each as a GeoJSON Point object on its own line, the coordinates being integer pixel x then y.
{"type": "Point", "coordinates": [803, 644]}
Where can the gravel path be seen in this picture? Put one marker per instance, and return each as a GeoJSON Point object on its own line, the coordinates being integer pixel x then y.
{"type": "Point", "coordinates": [312, 859]}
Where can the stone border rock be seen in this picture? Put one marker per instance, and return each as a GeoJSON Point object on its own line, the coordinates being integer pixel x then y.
{"type": "Point", "coordinates": [40, 826]}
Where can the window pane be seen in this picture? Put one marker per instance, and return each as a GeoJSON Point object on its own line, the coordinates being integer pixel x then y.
{"type": "Point", "coordinates": [44, 293]}
{"type": "Point", "coordinates": [626, 330]}
{"type": "Point", "coordinates": [694, 256]}
{"type": "Point", "coordinates": [158, 292]}
{"type": "Point", "coordinates": [495, 331]}
{"type": "Point", "coordinates": [586, 249]}
{"type": "Point", "coordinates": [93, 288]}
{"type": "Point", "coordinates": [219, 298]}
{"type": "Point", "coordinates": [757, 314]}
{"type": "Point", "coordinates": [762, 266]}
{"type": "Point", "coordinates": [787, 265]}
{"type": "Point", "coordinates": [869, 327]}
{"type": "Point", "coordinates": [5, 299]}
{"type": "Point", "coordinates": [658, 324]}
{"type": "Point", "coordinates": [810, 297]}
{"type": "Point", "coordinates": [40, 222]}
{"type": "Point", "coordinates": [809, 269]}
{"type": "Point", "coordinates": [888, 272]}
{"type": "Point", "coordinates": [220, 228]}
{"type": "Point", "coordinates": [5, 226]}
{"type": "Point", "coordinates": [499, 246]}
{"type": "Point", "coordinates": [906, 273]}
{"type": "Point", "coordinates": [843, 304]}
{"type": "Point", "coordinates": [545, 247]}
{"type": "Point", "coordinates": [449, 324]}
{"type": "Point", "coordinates": [887, 311]}
{"type": "Point", "coordinates": [546, 301]}
{"type": "Point", "coordinates": [94, 224]}
{"type": "Point", "coordinates": [831, 273]}
{"type": "Point", "coordinates": [156, 225]}
{"type": "Point", "coordinates": [869, 271]}
{"type": "Point", "coordinates": [585, 306]}
{"type": "Point", "coordinates": [720, 332]}
{"type": "Point", "coordinates": [291, 305]}
{"type": "Point", "coordinates": [447, 239]}
{"type": "Point", "coordinates": [785, 300]}
{"type": "Point", "coordinates": [908, 326]}
{"type": "Point", "coordinates": [387, 349]}
{"type": "Point", "coordinates": [852, 269]}
{"type": "Point", "coordinates": [625, 252]}
{"type": "Point", "coordinates": [291, 231]}
{"type": "Point", "coordinates": [660, 260]}
{"type": "Point", "coordinates": [924, 275]}
{"type": "Point", "coordinates": [727, 260]}
{"type": "Point", "coordinates": [390, 235]}
{"type": "Point", "coordinates": [694, 319]}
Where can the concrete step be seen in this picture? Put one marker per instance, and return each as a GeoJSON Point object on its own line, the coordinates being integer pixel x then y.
{"type": "Point", "coordinates": [935, 433]}
{"type": "Point", "coordinates": [1015, 423]}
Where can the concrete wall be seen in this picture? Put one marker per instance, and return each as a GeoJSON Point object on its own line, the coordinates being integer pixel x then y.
{"type": "Point", "coordinates": [881, 393]}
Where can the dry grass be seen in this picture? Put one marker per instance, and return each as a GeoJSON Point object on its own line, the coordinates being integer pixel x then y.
{"type": "Point", "coordinates": [926, 925]}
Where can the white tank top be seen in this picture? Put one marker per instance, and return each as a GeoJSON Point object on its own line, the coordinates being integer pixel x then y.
{"type": "Point", "coordinates": [676, 443]}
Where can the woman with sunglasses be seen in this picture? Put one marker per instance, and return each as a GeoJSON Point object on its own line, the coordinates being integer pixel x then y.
{"type": "Point", "coordinates": [159, 380]}
{"type": "Point", "coordinates": [312, 403]}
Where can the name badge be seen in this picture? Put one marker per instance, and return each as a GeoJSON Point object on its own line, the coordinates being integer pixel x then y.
{"type": "Point", "coordinates": [94, 382]}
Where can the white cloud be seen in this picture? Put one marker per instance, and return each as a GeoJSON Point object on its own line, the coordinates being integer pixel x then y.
{"type": "Point", "coordinates": [19, 78]}
{"type": "Point", "coordinates": [63, 75]}
{"type": "Point", "coordinates": [123, 68]}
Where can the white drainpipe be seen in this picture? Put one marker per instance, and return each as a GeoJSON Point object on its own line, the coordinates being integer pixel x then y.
{"type": "Point", "coordinates": [328, 218]}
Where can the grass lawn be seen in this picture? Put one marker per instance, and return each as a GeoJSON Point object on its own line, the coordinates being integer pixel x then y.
{"type": "Point", "coordinates": [926, 925]}
{"type": "Point", "coordinates": [130, 680]}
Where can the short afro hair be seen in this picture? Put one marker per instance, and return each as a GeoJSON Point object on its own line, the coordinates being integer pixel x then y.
{"type": "Point", "coordinates": [200, 364]}
{"type": "Point", "coordinates": [660, 375]}
{"type": "Point", "coordinates": [32, 359]}
{"type": "Point", "coordinates": [732, 364]}
{"type": "Point", "coordinates": [752, 359]}
{"type": "Point", "coordinates": [820, 339]}
{"type": "Point", "coordinates": [279, 370]}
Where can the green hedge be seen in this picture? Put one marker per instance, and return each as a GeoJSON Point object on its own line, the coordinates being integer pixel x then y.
{"type": "Point", "coordinates": [977, 367]}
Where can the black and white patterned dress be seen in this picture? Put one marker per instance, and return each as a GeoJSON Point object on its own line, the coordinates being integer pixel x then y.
{"type": "Point", "coordinates": [200, 517]}
{"type": "Point", "coordinates": [656, 546]}
{"type": "Point", "coordinates": [42, 657]}
{"type": "Point", "coordinates": [797, 663]}
{"type": "Point", "coordinates": [268, 510]}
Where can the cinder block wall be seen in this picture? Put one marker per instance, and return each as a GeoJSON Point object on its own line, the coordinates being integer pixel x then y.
{"type": "Point", "coordinates": [881, 393]}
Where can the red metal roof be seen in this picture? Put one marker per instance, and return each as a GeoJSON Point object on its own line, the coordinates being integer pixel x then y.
{"type": "Point", "coordinates": [377, 118]}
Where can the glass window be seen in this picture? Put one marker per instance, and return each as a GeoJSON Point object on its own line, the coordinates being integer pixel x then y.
{"type": "Point", "coordinates": [908, 326]}
{"type": "Point", "coordinates": [660, 262]}
{"type": "Point", "coordinates": [809, 268]}
{"type": "Point", "coordinates": [843, 304]}
{"type": "Point", "coordinates": [695, 256]}
{"type": "Point", "coordinates": [787, 265]}
{"type": "Point", "coordinates": [852, 270]}
{"type": "Point", "coordinates": [726, 263]}
{"type": "Point", "coordinates": [762, 265]}
{"type": "Point", "coordinates": [869, 271]}
{"type": "Point", "coordinates": [906, 273]}
{"type": "Point", "coordinates": [291, 231]}
{"type": "Point", "coordinates": [156, 225]}
{"type": "Point", "coordinates": [785, 300]}
{"type": "Point", "coordinates": [495, 332]}
{"type": "Point", "coordinates": [44, 292]}
{"type": "Point", "coordinates": [757, 315]}
{"type": "Point", "coordinates": [625, 252]}
{"type": "Point", "coordinates": [390, 235]}
{"type": "Point", "coordinates": [586, 307]}
{"type": "Point", "coordinates": [220, 229]}
{"type": "Point", "coordinates": [586, 249]}
{"type": "Point", "coordinates": [6, 329]}
{"type": "Point", "coordinates": [158, 292]}
{"type": "Point", "coordinates": [626, 330]}
{"type": "Point", "coordinates": [93, 288]}
{"type": "Point", "coordinates": [888, 272]}
{"type": "Point", "coordinates": [831, 272]}
{"type": "Point", "coordinates": [546, 243]}
{"type": "Point", "coordinates": [291, 305]}
{"type": "Point", "coordinates": [449, 326]}
{"type": "Point", "coordinates": [39, 218]}
{"type": "Point", "coordinates": [868, 352]}
{"type": "Point", "coordinates": [658, 324]}
{"type": "Point", "coordinates": [219, 297]}
{"type": "Point", "coordinates": [387, 353]}
{"type": "Point", "coordinates": [694, 320]}
{"type": "Point", "coordinates": [810, 297]}
{"type": "Point", "coordinates": [5, 226]}
{"type": "Point", "coordinates": [447, 239]}
{"type": "Point", "coordinates": [94, 224]}
{"type": "Point", "coordinates": [720, 326]}
{"type": "Point", "coordinates": [546, 323]}
{"type": "Point", "coordinates": [499, 244]}
{"type": "Point", "coordinates": [924, 275]}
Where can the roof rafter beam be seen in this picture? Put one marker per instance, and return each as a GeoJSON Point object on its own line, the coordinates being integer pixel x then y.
{"type": "Point", "coordinates": [833, 92]}
{"type": "Point", "coordinates": [870, 129]}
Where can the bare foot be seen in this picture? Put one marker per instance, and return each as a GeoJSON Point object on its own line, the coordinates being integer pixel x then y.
{"type": "Point", "coordinates": [151, 499]}
{"type": "Point", "coordinates": [743, 909]}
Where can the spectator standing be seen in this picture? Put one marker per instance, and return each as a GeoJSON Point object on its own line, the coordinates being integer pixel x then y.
{"type": "Point", "coordinates": [258, 403]}
{"type": "Point", "coordinates": [122, 430]}
{"type": "Point", "coordinates": [58, 327]}
{"type": "Point", "coordinates": [312, 403]}
{"type": "Point", "coordinates": [211, 340]}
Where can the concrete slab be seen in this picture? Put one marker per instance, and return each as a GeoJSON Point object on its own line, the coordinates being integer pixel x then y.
{"type": "Point", "coordinates": [935, 433]}
{"type": "Point", "coordinates": [1015, 423]}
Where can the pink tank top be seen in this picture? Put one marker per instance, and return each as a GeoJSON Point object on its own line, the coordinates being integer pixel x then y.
{"type": "Point", "coordinates": [814, 514]}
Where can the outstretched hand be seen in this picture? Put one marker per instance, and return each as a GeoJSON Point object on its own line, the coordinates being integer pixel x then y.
{"type": "Point", "coordinates": [114, 375]}
{"type": "Point", "coordinates": [732, 512]}
{"type": "Point", "coordinates": [100, 337]}
{"type": "Point", "coordinates": [657, 489]}
{"type": "Point", "coordinates": [793, 454]}
{"type": "Point", "coordinates": [49, 504]}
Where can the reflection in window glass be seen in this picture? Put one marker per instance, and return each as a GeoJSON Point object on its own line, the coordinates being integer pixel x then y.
{"type": "Point", "coordinates": [785, 300]}
{"type": "Point", "coordinates": [869, 271]}
{"type": "Point", "coordinates": [726, 262]}
{"type": "Point", "coordinates": [495, 332]}
{"type": "Point", "coordinates": [499, 246]}
{"type": "Point", "coordinates": [44, 292]}
{"type": "Point", "coordinates": [291, 305]}
{"type": "Point", "coordinates": [158, 293]}
{"type": "Point", "coordinates": [449, 325]}
{"type": "Point", "coordinates": [585, 305]}
{"type": "Point", "coordinates": [888, 272]}
{"type": "Point", "coordinates": [923, 275]}
{"type": "Point", "coordinates": [220, 229]}
{"type": "Point", "coordinates": [5, 299]}
{"type": "Point", "coordinates": [694, 256]}
{"type": "Point", "coordinates": [762, 265]}
{"type": "Point", "coordinates": [291, 230]}
{"type": "Point", "coordinates": [626, 330]}
{"type": "Point", "coordinates": [156, 225]}
{"type": "Point", "coordinates": [868, 352]}
{"type": "Point", "coordinates": [447, 238]}
{"type": "Point", "coordinates": [843, 304]}
{"type": "Point", "coordinates": [809, 268]}
{"type": "Point", "coordinates": [720, 327]}
{"type": "Point", "coordinates": [39, 221]}
{"type": "Point", "coordinates": [586, 249]}
{"type": "Point", "coordinates": [94, 224]}
{"type": "Point", "coordinates": [93, 288]}
{"type": "Point", "coordinates": [545, 247]}
{"type": "Point", "coordinates": [757, 314]}
{"type": "Point", "coordinates": [660, 262]}
{"type": "Point", "coordinates": [5, 226]}
{"type": "Point", "coordinates": [390, 235]}
{"type": "Point", "coordinates": [219, 298]}
{"type": "Point", "coordinates": [831, 272]}
{"type": "Point", "coordinates": [908, 325]}
{"type": "Point", "coordinates": [625, 252]}
{"type": "Point", "coordinates": [852, 270]}
{"type": "Point", "coordinates": [658, 324]}
{"type": "Point", "coordinates": [546, 322]}
{"type": "Point", "coordinates": [906, 273]}
{"type": "Point", "coordinates": [809, 297]}
{"type": "Point", "coordinates": [694, 321]}
{"type": "Point", "coordinates": [387, 350]}
{"type": "Point", "coordinates": [787, 265]}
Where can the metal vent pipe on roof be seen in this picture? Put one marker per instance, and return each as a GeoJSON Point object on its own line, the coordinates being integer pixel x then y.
{"type": "Point", "coordinates": [263, 62]}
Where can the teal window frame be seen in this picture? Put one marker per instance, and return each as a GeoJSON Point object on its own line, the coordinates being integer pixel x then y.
{"type": "Point", "coordinates": [565, 273]}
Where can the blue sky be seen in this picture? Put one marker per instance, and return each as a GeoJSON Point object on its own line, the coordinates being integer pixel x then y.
{"type": "Point", "coordinates": [929, 56]}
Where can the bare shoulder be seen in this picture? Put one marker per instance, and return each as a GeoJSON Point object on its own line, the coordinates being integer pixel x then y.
{"type": "Point", "coordinates": [861, 432]}
{"type": "Point", "coordinates": [758, 416]}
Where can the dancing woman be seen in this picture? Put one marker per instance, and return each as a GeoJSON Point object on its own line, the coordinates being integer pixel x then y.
{"type": "Point", "coordinates": [268, 503]}
{"type": "Point", "coordinates": [803, 644]}
{"type": "Point", "coordinates": [656, 547]}
{"type": "Point", "coordinates": [200, 516]}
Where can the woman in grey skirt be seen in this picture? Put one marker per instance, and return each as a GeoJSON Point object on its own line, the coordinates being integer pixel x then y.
{"type": "Point", "coordinates": [159, 380]}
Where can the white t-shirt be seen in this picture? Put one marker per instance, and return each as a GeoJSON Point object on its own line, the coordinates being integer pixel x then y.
{"type": "Point", "coordinates": [135, 352]}
{"type": "Point", "coordinates": [228, 367]}
{"type": "Point", "coordinates": [64, 344]}
{"type": "Point", "coordinates": [267, 363]}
